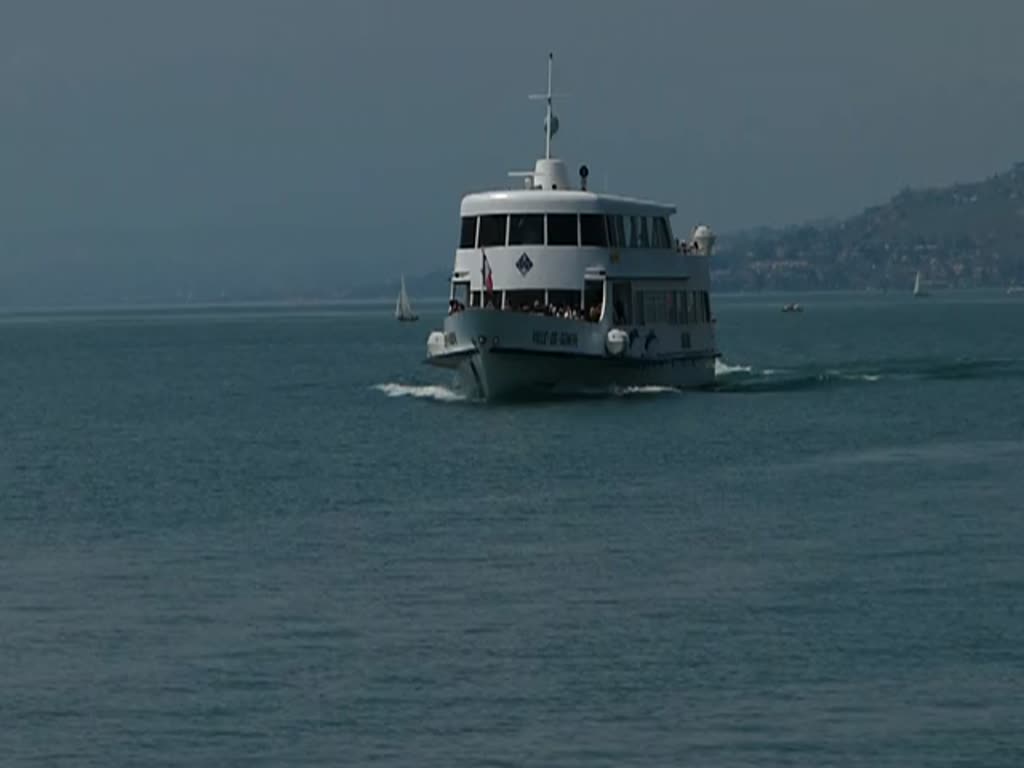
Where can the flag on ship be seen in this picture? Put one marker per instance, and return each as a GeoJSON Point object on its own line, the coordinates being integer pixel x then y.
{"type": "Point", "coordinates": [485, 271]}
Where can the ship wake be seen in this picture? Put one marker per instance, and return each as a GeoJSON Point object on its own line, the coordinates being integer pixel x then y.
{"type": "Point", "coordinates": [746, 378]}
{"type": "Point", "coordinates": [435, 392]}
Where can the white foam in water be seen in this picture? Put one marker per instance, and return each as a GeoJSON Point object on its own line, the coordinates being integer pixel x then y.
{"type": "Point", "coordinates": [427, 391]}
{"type": "Point", "coordinates": [837, 374]}
{"type": "Point", "coordinates": [724, 369]}
{"type": "Point", "coordinates": [615, 391]}
{"type": "Point", "coordinates": [648, 390]}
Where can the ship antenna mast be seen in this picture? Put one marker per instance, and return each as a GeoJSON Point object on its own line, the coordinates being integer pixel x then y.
{"type": "Point", "coordinates": [550, 121]}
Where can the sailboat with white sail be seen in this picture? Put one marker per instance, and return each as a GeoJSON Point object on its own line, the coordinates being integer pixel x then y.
{"type": "Point", "coordinates": [403, 309]}
{"type": "Point", "coordinates": [919, 292]}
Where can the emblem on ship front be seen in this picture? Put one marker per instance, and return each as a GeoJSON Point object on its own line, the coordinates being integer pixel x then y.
{"type": "Point", "coordinates": [524, 264]}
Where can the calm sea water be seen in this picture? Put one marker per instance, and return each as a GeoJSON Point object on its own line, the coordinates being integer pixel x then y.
{"type": "Point", "coordinates": [271, 537]}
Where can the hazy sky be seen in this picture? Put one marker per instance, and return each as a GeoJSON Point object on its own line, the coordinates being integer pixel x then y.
{"type": "Point", "coordinates": [374, 117]}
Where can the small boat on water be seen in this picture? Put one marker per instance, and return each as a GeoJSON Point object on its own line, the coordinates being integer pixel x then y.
{"type": "Point", "coordinates": [1015, 290]}
{"type": "Point", "coordinates": [403, 309]}
{"type": "Point", "coordinates": [792, 308]}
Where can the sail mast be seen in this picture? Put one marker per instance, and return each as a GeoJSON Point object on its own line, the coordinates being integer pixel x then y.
{"type": "Point", "coordinates": [402, 304]}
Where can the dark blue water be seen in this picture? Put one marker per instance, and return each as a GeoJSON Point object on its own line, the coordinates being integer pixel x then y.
{"type": "Point", "coordinates": [271, 537]}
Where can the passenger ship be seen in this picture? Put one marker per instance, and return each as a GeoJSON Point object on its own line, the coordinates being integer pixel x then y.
{"type": "Point", "coordinates": [561, 289]}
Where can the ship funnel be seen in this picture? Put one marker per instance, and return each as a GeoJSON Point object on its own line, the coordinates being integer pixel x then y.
{"type": "Point", "coordinates": [550, 173]}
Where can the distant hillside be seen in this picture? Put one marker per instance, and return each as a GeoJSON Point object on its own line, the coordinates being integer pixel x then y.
{"type": "Point", "coordinates": [965, 235]}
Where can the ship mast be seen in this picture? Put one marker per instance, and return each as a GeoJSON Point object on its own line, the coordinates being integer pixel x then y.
{"type": "Point", "coordinates": [548, 172]}
{"type": "Point", "coordinates": [550, 121]}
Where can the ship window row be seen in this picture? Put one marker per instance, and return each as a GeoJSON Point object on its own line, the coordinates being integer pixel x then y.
{"type": "Point", "coordinates": [584, 229]}
{"type": "Point", "coordinates": [574, 304]}
{"type": "Point", "coordinates": [673, 307]}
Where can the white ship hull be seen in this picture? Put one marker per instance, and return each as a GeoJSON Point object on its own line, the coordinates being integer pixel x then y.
{"type": "Point", "coordinates": [509, 355]}
{"type": "Point", "coordinates": [524, 375]}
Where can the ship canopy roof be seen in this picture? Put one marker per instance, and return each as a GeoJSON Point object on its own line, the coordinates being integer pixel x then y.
{"type": "Point", "coordinates": [559, 201]}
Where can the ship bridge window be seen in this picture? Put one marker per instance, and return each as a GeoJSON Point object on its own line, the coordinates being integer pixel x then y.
{"type": "Point", "coordinates": [661, 236]}
{"type": "Point", "coordinates": [592, 230]}
{"type": "Point", "coordinates": [467, 238]}
{"type": "Point", "coordinates": [526, 229]}
{"type": "Point", "coordinates": [562, 229]}
{"type": "Point", "coordinates": [616, 232]}
{"type": "Point", "coordinates": [637, 231]}
{"type": "Point", "coordinates": [632, 230]}
{"type": "Point", "coordinates": [492, 230]}
{"type": "Point", "coordinates": [644, 240]}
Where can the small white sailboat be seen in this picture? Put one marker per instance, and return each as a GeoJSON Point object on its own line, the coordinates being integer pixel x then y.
{"type": "Point", "coordinates": [918, 290]}
{"type": "Point", "coordinates": [403, 309]}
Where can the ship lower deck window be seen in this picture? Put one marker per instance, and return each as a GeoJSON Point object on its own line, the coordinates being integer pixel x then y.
{"type": "Point", "coordinates": [560, 299]}
{"type": "Point", "coordinates": [562, 229]}
{"type": "Point", "coordinates": [622, 303]}
{"type": "Point", "coordinates": [593, 298]}
{"type": "Point", "coordinates": [467, 237]}
{"type": "Point", "coordinates": [672, 307]}
{"type": "Point", "coordinates": [690, 315]}
{"type": "Point", "coordinates": [525, 300]}
{"type": "Point", "coordinates": [484, 299]}
{"type": "Point", "coordinates": [526, 229]}
{"type": "Point", "coordinates": [460, 292]}
{"type": "Point", "coordinates": [592, 230]}
{"type": "Point", "coordinates": [492, 230]}
{"type": "Point", "coordinates": [654, 306]}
